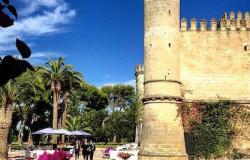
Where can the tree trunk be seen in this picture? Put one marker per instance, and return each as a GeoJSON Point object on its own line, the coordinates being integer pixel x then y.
{"type": "Point", "coordinates": [65, 106]}
{"type": "Point", "coordinates": [114, 139]}
{"type": "Point", "coordinates": [30, 140]}
{"type": "Point", "coordinates": [5, 123]}
{"type": "Point", "coordinates": [20, 134]}
{"type": "Point", "coordinates": [55, 113]}
{"type": "Point", "coordinates": [104, 121]}
{"type": "Point", "coordinates": [64, 116]}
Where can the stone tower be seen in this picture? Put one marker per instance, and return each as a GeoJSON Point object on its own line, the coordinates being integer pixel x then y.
{"type": "Point", "coordinates": [139, 74]}
{"type": "Point", "coordinates": [162, 132]}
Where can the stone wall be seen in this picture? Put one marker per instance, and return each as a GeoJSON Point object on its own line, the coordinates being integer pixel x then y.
{"type": "Point", "coordinates": [215, 63]}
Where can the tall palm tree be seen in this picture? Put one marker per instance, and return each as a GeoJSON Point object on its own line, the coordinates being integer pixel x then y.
{"type": "Point", "coordinates": [73, 82]}
{"type": "Point", "coordinates": [41, 99]}
{"type": "Point", "coordinates": [9, 96]}
{"type": "Point", "coordinates": [54, 73]}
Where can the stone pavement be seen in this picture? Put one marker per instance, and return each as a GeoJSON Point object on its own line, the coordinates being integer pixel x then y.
{"type": "Point", "coordinates": [97, 156]}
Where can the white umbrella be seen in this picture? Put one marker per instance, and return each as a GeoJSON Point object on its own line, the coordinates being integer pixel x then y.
{"type": "Point", "coordinates": [62, 131]}
{"type": "Point", "coordinates": [44, 131]}
{"type": "Point", "coordinates": [51, 131]}
{"type": "Point", "coordinates": [79, 133]}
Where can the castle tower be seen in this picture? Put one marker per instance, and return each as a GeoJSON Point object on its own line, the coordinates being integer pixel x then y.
{"type": "Point", "coordinates": [162, 132]}
{"type": "Point", "coordinates": [139, 74]}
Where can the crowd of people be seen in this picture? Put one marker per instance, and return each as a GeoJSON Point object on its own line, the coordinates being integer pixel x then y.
{"type": "Point", "coordinates": [87, 148]}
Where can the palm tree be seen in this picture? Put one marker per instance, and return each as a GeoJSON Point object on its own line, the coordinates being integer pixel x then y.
{"type": "Point", "coordinates": [9, 96]}
{"type": "Point", "coordinates": [54, 73]}
{"type": "Point", "coordinates": [77, 124]}
{"type": "Point", "coordinates": [23, 110]}
{"type": "Point", "coordinates": [74, 123]}
{"type": "Point", "coordinates": [42, 101]}
{"type": "Point", "coordinates": [73, 82]}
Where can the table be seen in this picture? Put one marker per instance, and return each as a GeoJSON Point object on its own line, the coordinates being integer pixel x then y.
{"type": "Point", "coordinates": [114, 154]}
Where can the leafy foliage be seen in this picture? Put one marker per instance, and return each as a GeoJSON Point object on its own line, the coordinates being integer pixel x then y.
{"type": "Point", "coordinates": [212, 125]}
{"type": "Point", "coordinates": [213, 135]}
{"type": "Point", "coordinates": [93, 97]}
{"type": "Point", "coordinates": [121, 120]}
{"type": "Point", "coordinates": [74, 124]}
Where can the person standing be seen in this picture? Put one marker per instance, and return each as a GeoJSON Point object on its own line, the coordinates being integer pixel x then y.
{"type": "Point", "coordinates": [92, 150]}
{"type": "Point", "coordinates": [77, 149]}
{"type": "Point", "coordinates": [84, 149]}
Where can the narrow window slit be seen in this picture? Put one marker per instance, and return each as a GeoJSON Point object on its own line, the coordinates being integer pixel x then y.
{"type": "Point", "coordinates": [245, 48]}
{"type": "Point", "coordinates": [169, 45]}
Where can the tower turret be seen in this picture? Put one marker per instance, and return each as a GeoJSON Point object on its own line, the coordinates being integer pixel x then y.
{"type": "Point", "coordinates": [162, 133]}
{"type": "Point", "coordinates": [139, 74]}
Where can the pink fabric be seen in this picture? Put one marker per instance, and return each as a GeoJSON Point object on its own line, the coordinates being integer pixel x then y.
{"type": "Point", "coordinates": [57, 155]}
{"type": "Point", "coordinates": [63, 154]}
{"type": "Point", "coordinates": [51, 157]}
{"type": "Point", "coordinates": [44, 156]}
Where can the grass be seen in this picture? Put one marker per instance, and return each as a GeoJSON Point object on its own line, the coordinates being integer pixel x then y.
{"type": "Point", "coordinates": [106, 145]}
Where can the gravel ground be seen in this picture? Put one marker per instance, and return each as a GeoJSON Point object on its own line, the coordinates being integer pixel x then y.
{"type": "Point", "coordinates": [97, 155]}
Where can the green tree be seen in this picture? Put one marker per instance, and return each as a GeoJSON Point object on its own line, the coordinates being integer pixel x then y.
{"type": "Point", "coordinates": [74, 124]}
{"type": "Point", "coordinates": [54, 73]}
{"type": "Point", "coordinates": [93, 97]}
{"type": "Point", "coordinates": [89, 103]}
{"type": "Point", "coordinates": [72, 82]}
{"type": "Point", "coordinates": [9, 96]}
{"type": "Point", "coordinates": [120, 97]}
{"type": "Point", "coordinates": [38, 107]}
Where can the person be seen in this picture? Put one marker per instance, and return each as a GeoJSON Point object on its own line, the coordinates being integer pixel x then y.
{"type": "Point", "coordinates": [91, 150]}
{"type": "Point", "coordinates": [60, 145]}
{"type": "Point", "coordinates": [88, 149]}
{"type": "Point", "coordinates": [77, 149]}
{"type": "Point", "coordinates": [84, 149]}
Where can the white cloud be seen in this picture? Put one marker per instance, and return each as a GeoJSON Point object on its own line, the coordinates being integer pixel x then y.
{"type": "Point", "coordinates": [42, 57]}
{"type": "Point", "coordinates": [34, 5]}
{"type": "Point", "coordinates": [7, 47]}
{"type": "Point", "coordinates": [51, 18]}
{"type": "Point", "coordinates": [48, 54]}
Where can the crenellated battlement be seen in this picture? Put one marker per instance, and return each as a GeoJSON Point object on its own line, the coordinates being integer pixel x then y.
{"type": "Point", "coordinates": [226, 23]}
{"type": "Point", "coordinates": [139, 69]}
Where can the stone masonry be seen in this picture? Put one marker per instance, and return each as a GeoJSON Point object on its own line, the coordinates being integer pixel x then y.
{"type": "Point", "coordinates": [162, 132]}
{"type": "Point", "coordinates": [208, 62]}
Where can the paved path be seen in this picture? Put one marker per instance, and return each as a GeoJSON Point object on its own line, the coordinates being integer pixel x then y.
{"type": "Point", "coordinates": [97, 156]}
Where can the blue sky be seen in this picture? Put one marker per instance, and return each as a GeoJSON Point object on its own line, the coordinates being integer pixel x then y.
{"type": "Point", "coordinates": [103, 39]}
